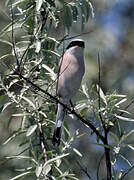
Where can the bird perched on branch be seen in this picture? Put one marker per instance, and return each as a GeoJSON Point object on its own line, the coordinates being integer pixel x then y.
{"type": "Point", "coordinates": [71, 71]}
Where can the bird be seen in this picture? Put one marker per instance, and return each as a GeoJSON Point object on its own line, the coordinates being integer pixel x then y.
{"type": "Point", "coordinates": [71, 71]}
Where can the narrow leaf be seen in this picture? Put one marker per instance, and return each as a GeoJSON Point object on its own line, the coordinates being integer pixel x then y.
{"type": "Point", "coordinates": [21, 114]}
{"type": "Point", "coordinates": [38, 170]}
{"type": "Point", "coordinates": [46, 169]}
{"type": "Point", "coordinates": [22, 175]}
{"type": "Point", "coordinates": [5, 56]}
{"type": "Point", "coordinates": [37, 46]}
{"type": "Point", "coordinates": [38, 4]}
{"type": "Point", "coordinates": [67, 17]}
{"type": "Point", "coordinates": [85, 90]}
{"type": "Point", "coordinates": [123, 118]}
{"type": "Point", "coordinates": [6, 42]}
{"type": "Point", "coordinates": [126, 160]}
{"type": "Point", "coordinates": [29, 102]}
{"type": "Point", "coordinates": [77, 152]}
{"type": "Point", "coordinates": [55, 159]}
{"type": "Point", "coordinates": [131, 147]}
{"type": "Point", "coordinates": [102, 95]}
{"type": "Point", "coordinates": [120, 102]}
{"type": "Point", "coordinates": [125, 136]}
{"type": "Point", "coordinates": [31, 130]}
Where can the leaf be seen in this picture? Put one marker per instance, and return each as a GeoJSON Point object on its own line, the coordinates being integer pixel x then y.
{"type": "Point", "coordinates": [120, 102]}
{"type": "Point", "coordinates": [91, 8]}
{"type": "Point", "coordinates": [31, 130]}
{"type": "Point", "coordinates": [37, 46]}
{"type": "Point", "coordinates": [38, 4]}
{"type": "Point", "coordinates": [22, 175]}
{"type": "Point", "coordinates": [21, 114]}
{"type": "Point", "coordinates": [74, 13]}
{"type": "Point", "coordinates": [84, 111]}
{"type": "Point", "coordinates": [16, 3]}
{"type": "Point", "coordinates": [14, 81]}
{"type": "Point", "coordinates": [131, 147]}
{"type": "Point", "coordinates": [13, 135]}
{"type": "Point", "coordinates": [67, 17]}
{"type": "Point", "coordinates": [23, 157]}
{"type": "Point", "coordinates": [46, 169]}
{"type": "Point", "coordinates": [125, 136]}
{"type": "Point", "coordinates": [117, 129]}
{"type": "Point", "coordinates": [38, 170]}
{"type": "Point", "coordinates": [5, 56]}
{"type": "Point", "coordinates": [58, 162]}
{"type": "Point", "coordinates": [52, 52]}
{"type": "Point", "coordinates": [6, 42]}
{"type": "Point", "coordinates": [43, 114]}
{"type": "Point", "coordinates": [126, 160]}
{"type": "Point", "coordinates": [55, 159]}
{"type": "Point", "coordinates": [52, 74]}
{"type": "Point", "coordinates": [29, 101]}
{"type": "Point", "coordinates": [123, 118]}
{"type": "Point", "coordinates": [102, 95]}
{"type": "Point", "coordinates": [8, 28]}
{"type": "Point", "coordinates": [85, 90]}
{"type": "Point", "coordinates": [77, 152]}
{"type": "Point", "coordinates": [6, 105]}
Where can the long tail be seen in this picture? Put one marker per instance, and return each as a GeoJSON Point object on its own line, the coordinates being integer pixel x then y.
{"type": "Point", "coordinates": [58, 127]}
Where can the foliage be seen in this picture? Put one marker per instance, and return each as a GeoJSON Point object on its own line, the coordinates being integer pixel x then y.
{"type": "Point", "coordinates": [29, 82]}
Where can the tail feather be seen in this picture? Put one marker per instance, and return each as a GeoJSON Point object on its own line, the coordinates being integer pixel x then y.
{"type": "Point", "coordinates": [58, 127]}
{"type": "Point", "coordinates": [56, 136]}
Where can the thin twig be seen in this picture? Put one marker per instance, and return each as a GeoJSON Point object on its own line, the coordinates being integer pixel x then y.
{"type": "Point", "coordinates": [99, 83]}
{"type": "Point", "coordinates": [78, 35]}
{"type": "Point", "coordinates": [41, 135]}
{"type": "Point", "coordinates": [106, 149]}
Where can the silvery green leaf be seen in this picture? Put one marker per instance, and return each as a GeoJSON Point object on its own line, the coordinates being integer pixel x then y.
{"type": "Point", "coordinates": [120, 102]}
{"type": "Point", "coordinates": [85, 90]}
{"type": "Point", "coordinates": [38, 170]}
{"type": "Point", "coordinates": [37, 46]}
{"type": "Point", "coordinates": [77, 152]}
{"type": "Point", "coordinates": [123, 118]}
{"type": "Point", "coordinates": [131, 147]}
{"type": "Point", "coordinates": [22, 175]}
{"type": "Point", "coordinates": [6, 105]}
{"type": "Point", "coordinates": [102, 95]}
{"type": "Point", "coordinates": [29, 101]}
{"type": "Point", "coordinates": [38, 4]}
{"type": "Point", "coordinates": [46, 169]}
{"type": "Point", "coordinates": [31, 130]}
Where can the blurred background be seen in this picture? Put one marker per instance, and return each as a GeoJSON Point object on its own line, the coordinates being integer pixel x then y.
{"type": "Point", "coordinates": [112, 35]}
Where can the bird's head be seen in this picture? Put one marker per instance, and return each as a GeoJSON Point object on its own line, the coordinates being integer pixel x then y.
{"type": "Point", "coordinates": [76, 43]}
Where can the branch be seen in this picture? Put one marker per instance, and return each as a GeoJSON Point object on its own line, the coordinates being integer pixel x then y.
{"type": "Point", "coordinates": [106, 130]}
{"type": "Point", "coordinates": [72, 111]}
